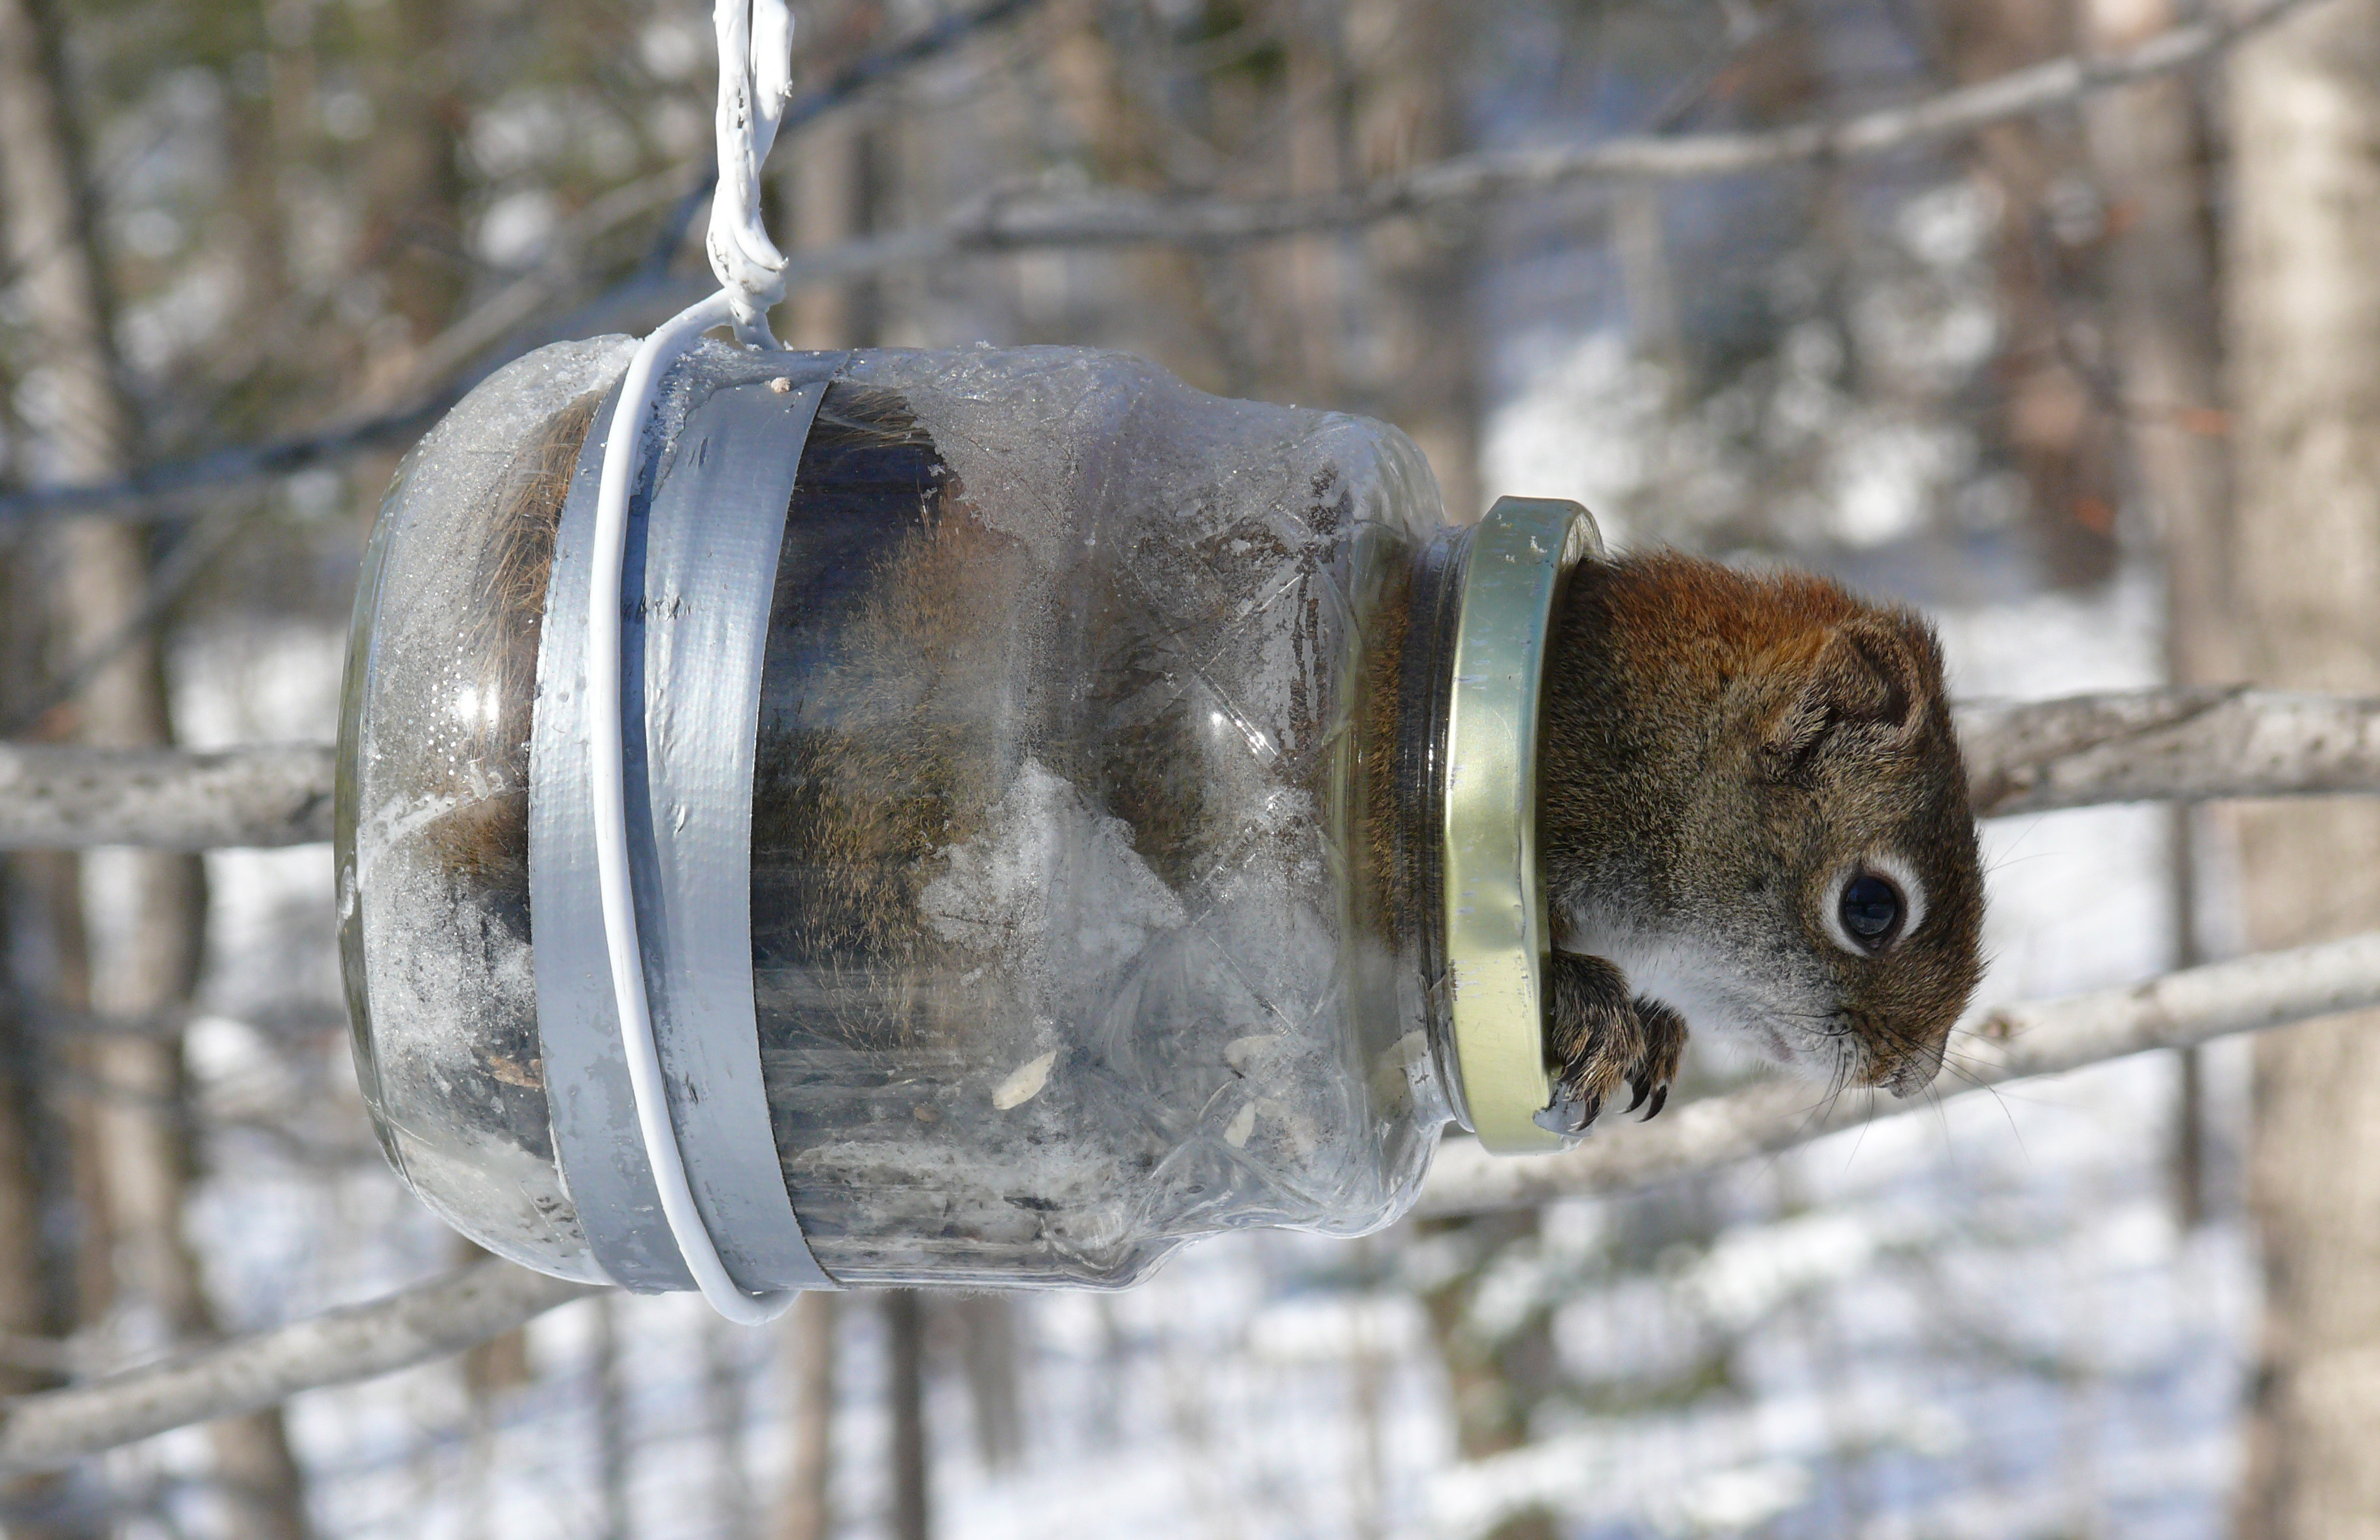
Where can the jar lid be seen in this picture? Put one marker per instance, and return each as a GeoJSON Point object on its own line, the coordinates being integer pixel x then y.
{"type": "Point", "coordinates": [1496, 933]}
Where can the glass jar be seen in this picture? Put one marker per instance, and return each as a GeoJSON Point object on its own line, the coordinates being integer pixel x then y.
{"type": "Point", "coordinates": [1069, 814]}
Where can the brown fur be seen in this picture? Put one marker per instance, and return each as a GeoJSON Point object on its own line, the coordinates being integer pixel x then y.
{"type": "Point", "coordinates": [866, 799]}
{"type": "Point", "coordinates": [484, 841]}
{"type": "Point", "coordinates": [1718, 747]}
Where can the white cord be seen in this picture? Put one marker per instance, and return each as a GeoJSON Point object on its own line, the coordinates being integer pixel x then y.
{"type": "Point", "coordinates": [755, 78]}
{"type": "Point", "coordinates": [758, 35]}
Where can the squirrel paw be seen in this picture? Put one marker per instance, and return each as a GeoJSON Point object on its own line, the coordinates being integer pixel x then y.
{"type": "Point", "coordinates": [1603, 1039]}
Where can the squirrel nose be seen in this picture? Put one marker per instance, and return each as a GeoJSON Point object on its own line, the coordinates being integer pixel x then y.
{"type": "Point", "coordinates": [1916, 1070]}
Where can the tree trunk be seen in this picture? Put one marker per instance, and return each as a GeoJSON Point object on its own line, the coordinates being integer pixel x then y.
{"type": "Point", "coordinates": [1312, 314]}
{"type": "Point", "coordinates": [1493, 1384]}
{"type": "Point", "coordinates": [2166, 359]}
{"type": "Point", "coordinates": [2302, 276]}
{"type": "Point", "coordinates": [1424, 373]}
{"type": "Point", "coordinates": [723, 1387]}
{"type": "Point", "coordinates": [825, 182]}
{"type": "Point", "coordinates": [413, 184]}
{"type": "Point", "coordinates": [37, 1275]}
{"type": "Point", "coordinates": [1095, 97]}
{"type": "Point", "coordinates": [1367, 1396]}
{"type": "Point", "coordinates": [910, 1457]}
{"type": "Point", "coordinates": [2058, 436]}
{"type": "Point", "coordinates": [491, 1371]}
{"type": "Point", "coordinates": [613, 1449]}
{"type": "Point", "coordinates": [34, 1302]}
{"type": "Point", "coordinates": [805, 1511]}
{"type": "Point", "coordinates": [830, 185]}
{"type": "Point", "coordinates": [989, 1356]}
{"type": "Point", "coordinates": [137, 1119]}
{"type": "Point", "coordinates": [498, 1367]}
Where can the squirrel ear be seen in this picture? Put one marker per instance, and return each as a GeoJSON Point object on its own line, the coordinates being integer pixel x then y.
{"type": "Point", "coordinates": [1866, 673]}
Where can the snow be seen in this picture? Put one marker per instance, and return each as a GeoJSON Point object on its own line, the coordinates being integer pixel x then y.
{"type": "Point", "coordinates": [1982, 1320]}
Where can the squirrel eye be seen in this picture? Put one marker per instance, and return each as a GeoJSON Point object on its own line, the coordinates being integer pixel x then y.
{"type": "Point", "coordinates": [1871, 910]}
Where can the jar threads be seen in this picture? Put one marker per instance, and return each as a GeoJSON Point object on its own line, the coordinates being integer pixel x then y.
{"type": "Point", "coordinates": [1519, 558]}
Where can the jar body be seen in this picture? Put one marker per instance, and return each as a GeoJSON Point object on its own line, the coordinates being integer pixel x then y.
{"type": "Point", "coordinates": [1059, 952]}
{"type": "Point", "coordinates": [432, 828]}
{"type": "Point", "coordinates": [1074, 930]}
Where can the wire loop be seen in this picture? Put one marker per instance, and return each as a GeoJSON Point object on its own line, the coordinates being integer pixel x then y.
{"type": "Point", "coordinates": [754, 78]}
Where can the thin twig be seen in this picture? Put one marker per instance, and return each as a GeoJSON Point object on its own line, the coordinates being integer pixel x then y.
{"type": "Point", "coordinates": [2028, 757]}
{"type": "Point", "coordinates": [449, 364]}
{"type": "Point", "coordinates": [1014, 223]}
{"type": "Point", "coordinates": [168, 581]}
{"type": "Point", "coordinates": [414, 1326]}
{"type": "Point", "coordinates": [1009, 223]}
{"type": "Point", "coordinates": [67, 798]}
{"type": "Point", "coordinates": [2176, 743]}
{"type": "Point", "coordinates": [2048, 1037]}
{"type": "Point", "coordinates": [450, 1313]}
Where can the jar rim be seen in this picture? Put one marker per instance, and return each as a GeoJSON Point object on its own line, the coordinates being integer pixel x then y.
{"type": "Point", "coordinates": [1497, 936]}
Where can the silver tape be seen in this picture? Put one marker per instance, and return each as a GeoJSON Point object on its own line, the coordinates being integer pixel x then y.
{"type": "Point", "coordinates": [593, 1111]}
{"type": "Point", "coordinates": [709, 571]}
{"type": "Point", "coordinates": [699, 574]}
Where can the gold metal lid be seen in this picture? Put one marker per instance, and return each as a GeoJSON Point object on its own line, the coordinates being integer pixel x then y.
{"type": "Point", "coordinates": [1496, 934]}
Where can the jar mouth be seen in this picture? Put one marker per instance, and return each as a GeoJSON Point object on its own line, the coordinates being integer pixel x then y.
{"type": "Point", "coordinates": [1497, 935]}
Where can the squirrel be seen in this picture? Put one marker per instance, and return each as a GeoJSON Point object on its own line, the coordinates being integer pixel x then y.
{"type": "Point", "coordinates": [1753, 814]}
{"type": "Point", "coordinates": [1753, 808]}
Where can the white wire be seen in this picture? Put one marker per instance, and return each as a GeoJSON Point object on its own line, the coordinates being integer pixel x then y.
{"type": "Point", "coordinates": [755, 78]}
{"type": "Point", "coordinates": [757, 36]}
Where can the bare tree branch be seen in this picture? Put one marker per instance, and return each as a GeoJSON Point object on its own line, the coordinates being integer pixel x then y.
{"type": "Point", "coordinates": [2192, 745]}
{"type": "Point", "coordinates": [415, 1325]}
{"type": "Point", "coordinates": [62, 798]}
{"type": "Point", "coordinates": [1005, 222]}
{"type": "Point", "coordinates": [2247, 995]}
{"type": "Point", "coordinates": [449, 1314]}
{"type": "Point", "coordinates": [1009, 223]}
{"type": "Point", "coordinates": [2022, 757]}
{"type": "Point", "coordinates": [444, 368]}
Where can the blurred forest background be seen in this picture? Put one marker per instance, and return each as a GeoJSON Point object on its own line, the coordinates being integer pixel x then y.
{"type": "Point", "coordinates": [2099, 387]}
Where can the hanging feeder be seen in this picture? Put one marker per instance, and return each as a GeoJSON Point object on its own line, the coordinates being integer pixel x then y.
{"type": "Point", "coordinates": [1065, 814]}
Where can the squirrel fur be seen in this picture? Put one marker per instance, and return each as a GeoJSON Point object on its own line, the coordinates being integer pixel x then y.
{"type": "Point", "coordinates": [1754, 818]}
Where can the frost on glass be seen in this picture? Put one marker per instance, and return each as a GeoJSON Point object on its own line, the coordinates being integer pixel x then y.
{"type": "Point", "coordinates": [1083, 780]}
{"type": "Point", "coordinates": [1057, 939]}
{"type": "Point", "coordinates": [433, 826]}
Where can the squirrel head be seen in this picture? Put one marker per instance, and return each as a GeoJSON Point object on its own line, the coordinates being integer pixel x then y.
{"type": "Point", "coordinates": [1756, 806]}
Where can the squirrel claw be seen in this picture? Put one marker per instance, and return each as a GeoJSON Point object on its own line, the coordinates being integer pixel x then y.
{"type": "Point", "coordinates": [1603, 1039]}
{"type": "Point", "coordinates": [1568, 1116]}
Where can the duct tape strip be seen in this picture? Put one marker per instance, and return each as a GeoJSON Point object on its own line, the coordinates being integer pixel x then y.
{"type": "Point", "coordinates": [588, 1100]}
{"type": "Point", "coordinates": [710, 568]}
{"type": "Point", "coordinates": [701, 566]}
